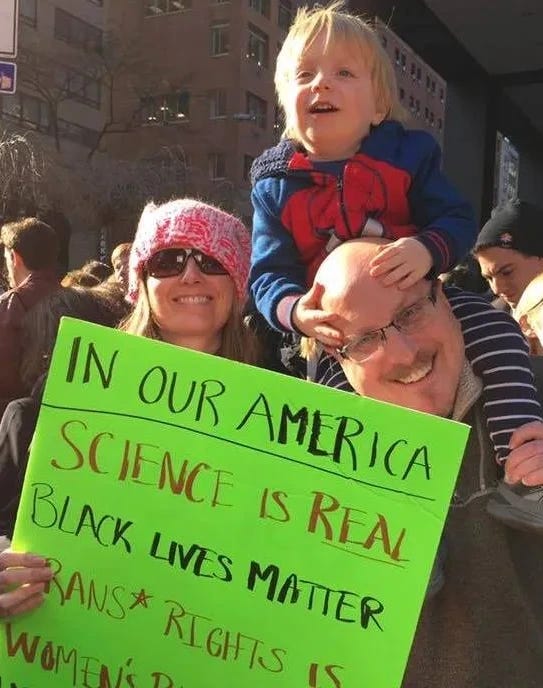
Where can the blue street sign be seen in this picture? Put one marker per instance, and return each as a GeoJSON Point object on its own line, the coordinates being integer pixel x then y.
{"type": "Point", "coordinates": [8, 77]}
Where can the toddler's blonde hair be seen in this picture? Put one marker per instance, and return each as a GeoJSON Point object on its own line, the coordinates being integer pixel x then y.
{"type": "Point", "coordinates": [338, 25]}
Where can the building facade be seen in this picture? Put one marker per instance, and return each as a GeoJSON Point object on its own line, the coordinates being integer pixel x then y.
{"type": "Point", "coordinates": [59, 89]}
{"type": "Point", "coordinates": [205, 90]}
{"type": "Point", "coordinates": [58, 103]}
{"type": "Point", "coordinates": [421, 90]}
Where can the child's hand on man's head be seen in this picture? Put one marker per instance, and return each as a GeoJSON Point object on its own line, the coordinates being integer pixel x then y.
{"type": "Point", "coordinates": [309, 318]}
{"type": "Point", "coordinates": [403, 263]}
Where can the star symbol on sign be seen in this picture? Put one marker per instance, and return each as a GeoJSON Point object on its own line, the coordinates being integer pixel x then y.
{"type": "Point", "coordinates": [140, 598]}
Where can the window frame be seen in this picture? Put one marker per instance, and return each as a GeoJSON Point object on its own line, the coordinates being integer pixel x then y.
{"type": "Point", "coordinates": [65, 20]}
{"type": "Point", "coordinates": [215, 96]}
{"type": "Point", "coordinates": [216, 160]}
{"type": "Point", "coordinates": [29, 20]}
{"type": "Point", "coordinates": [284, 10]}
{"type": "Point", "coordinates": [263, 7]}
{"type": "Point", "coordinates": [219, 29]}
{"type": "Point", "coordinates": [148, 6]}
{"type": "Point", "coordinates": [258, 39]}
{"type": "Point", "coordinates": [260, 118]}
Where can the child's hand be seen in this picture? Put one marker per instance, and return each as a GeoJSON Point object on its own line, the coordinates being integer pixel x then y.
{"type": "Point", "coordinates": [525, 462]}
{"type": "Point", "coordinates": [402, 263]}
{"type": "Point", "coordinates": [309, 318]}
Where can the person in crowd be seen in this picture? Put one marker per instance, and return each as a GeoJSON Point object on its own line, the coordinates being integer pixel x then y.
{"type": "Point", "coordinates": [79, 278]}
{"type": "Point", "coordinates": [119, 259]}
{"type": "Point", "coordinates": [529, 314]}
{"type": "Point", "coordinates": [404, 346]}
{"type": "Point", "coordinates": [23, 577]}
{"type": "Point", "coordinates": [188, 271]}
{"type": "Point", "coordinates": [30, 254]}
{"type": "Point", "coordinates": [18, 422]}
{"type": "Point", "coordinates": [102, 271]}
{"type": "Point", "coordinates": [343, 173]}
{"type": "Point", "coordinates": [509, 249]}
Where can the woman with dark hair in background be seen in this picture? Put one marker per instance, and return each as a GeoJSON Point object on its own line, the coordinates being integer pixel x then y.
{"type": "Point", "coordinates": [19, 419]}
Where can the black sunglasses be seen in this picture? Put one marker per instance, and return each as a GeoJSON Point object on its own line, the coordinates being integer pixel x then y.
{"type": "Point", "coordinates": [172, 261]}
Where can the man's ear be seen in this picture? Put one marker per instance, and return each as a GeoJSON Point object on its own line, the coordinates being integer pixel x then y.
{"type": "Point", "coordinates": [16, 258]}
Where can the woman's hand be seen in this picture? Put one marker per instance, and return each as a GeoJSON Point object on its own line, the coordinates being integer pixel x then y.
{"type": "Point", "coordinates": [23, 577]}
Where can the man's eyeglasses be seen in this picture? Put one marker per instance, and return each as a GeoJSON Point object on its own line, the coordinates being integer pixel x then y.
{"type": "Point", "coordinates": [172, 261]}
{"type": "Point", "coordinates": [408, 321]}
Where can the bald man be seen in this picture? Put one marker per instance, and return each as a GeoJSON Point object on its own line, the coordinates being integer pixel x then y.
{"type": "Point", "coordinates": [484, 629]}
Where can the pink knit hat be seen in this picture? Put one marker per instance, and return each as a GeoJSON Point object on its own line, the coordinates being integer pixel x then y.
{"type": "Point", "coordinates": [196, 225]}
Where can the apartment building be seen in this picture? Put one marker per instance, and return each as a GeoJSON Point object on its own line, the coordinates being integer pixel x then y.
{"type": "Point", "coordinates": [59, 105]}
{"type": "Point", "coordinates": [422, 91]}
{"type": "Point", "coordinates": [59, 90]}
{"type": "Point", "coordinates": [205, 88]}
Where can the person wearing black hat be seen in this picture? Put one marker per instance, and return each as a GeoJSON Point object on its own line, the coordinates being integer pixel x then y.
{"type": "Point", "coordinates": [509, 249]}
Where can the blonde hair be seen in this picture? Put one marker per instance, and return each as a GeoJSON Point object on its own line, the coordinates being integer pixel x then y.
{"type": "Point", "coordinates": [338, 25]}
{"type": "Point", "coordinates": [238, 342]}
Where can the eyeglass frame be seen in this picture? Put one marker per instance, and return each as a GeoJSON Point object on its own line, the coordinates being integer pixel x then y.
{"type": "Point", "coordinates": [381, 331]}
{"type": "Point", "coordinates": [193, 253]}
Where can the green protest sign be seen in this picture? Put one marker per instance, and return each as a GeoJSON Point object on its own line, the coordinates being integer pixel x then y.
{"type": "Point", "coordinates": [212, 524]}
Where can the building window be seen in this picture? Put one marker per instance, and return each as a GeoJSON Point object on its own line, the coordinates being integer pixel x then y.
{"type": "Point", "coordinates": [260, 6]}
{"type": "Point", "coordinates": [217, 166]}
{"type": "Point", "coordinates": [247, 164]}
{"type": "Point", "coordinates": [284, 18]}
{"type": "Point", "coordinates": [384, 41]}
{"type": "Point", "coordinates": [156, 8]}
{"type": "Point", "coordinates": [440, 124]}
{"type": "Point", "coordinates": [28, 12]}
{"type": "Point", "coordinates": [75, 132]}
{"type": "Point", "coordinates": [258, 46]}
{"type": "Point", "coordinates": [413, 71]}
{"type": "Point", "coordinates": [432, 120]}
{"type": "Point", "coordinates": [411, 103]}
{"type": "Point", "coordinates": [441, 94]}
{"type": "Point", "coordinates": [77, 32]}
{"type": "Point", "coordinates": [79, 86]}
{"type": "Point", "coordinates": [433, 88]}
{"type": "Point", "coordinates": [417, 107]}
{"type": "Point", "coordinates": [217, 103]}
{"type": "Point", "coordinates": [257, 108]}
{"type": "Point", "coordinates": [427, 83]}
{"type": "Point", "coordinates": [397, 55]}
{"type": "Point", "coordinates": [419, 74]}
{"type": "Point", "coordinates": [166, 109]}
{"type": "Point", "coordinates": [402, 94]}
{"type": "Point", "coordinates": [219, 39]}
{"type": "Point", "coordinates": [27, 110]}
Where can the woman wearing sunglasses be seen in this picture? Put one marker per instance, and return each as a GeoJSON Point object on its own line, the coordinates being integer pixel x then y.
{"type": "Point", "coordinates": [188, 272]}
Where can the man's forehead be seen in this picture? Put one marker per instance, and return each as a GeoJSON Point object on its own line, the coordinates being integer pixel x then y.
{"type": "Point", "coordinates": [372, 305]}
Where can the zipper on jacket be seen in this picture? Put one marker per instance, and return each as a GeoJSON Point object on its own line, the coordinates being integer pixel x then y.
{"type": "Point", "coordinates": [339, 186]}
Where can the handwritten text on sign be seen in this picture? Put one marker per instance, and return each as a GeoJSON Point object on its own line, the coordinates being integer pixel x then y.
{"type": "Point", "coordinates": [212, 524]}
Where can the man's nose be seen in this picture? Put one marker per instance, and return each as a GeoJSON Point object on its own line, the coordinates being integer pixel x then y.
{"type": "Point", "coordinates": [497, 284]}
{"type": "Point", "coordinates": [400, 349]}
